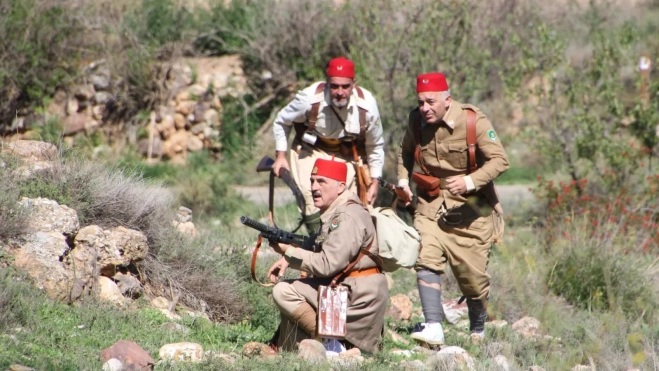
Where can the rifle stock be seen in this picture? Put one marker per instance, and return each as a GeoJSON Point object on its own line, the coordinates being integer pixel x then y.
{"type": "Point", "coordinates": [278, 235]}
{"type": "Point", "coordinates": [266, 165]}
{"type": "Point", "coordinates": [400, 194]}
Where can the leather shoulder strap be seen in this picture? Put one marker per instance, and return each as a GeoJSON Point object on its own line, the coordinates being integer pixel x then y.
{"type": "Point", "coordinates": [471, 140]}
{"type": "Point", "coordinates": [313, 114]}
{"type": "Point", "coordinates": [362, 114]}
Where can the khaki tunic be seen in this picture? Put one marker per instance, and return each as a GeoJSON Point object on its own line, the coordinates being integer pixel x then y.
{"type": "Point", "coordinates": [462, 237]}
{"type": "Point", "coordinates": [368, 295]}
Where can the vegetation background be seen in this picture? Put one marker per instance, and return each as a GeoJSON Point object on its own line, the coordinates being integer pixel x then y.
{"type": "Point", "coordinates": [559, 80]}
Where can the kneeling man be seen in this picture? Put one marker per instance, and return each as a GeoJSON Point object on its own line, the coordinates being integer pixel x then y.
{"type": "Point", "coordinates": [347, 229]}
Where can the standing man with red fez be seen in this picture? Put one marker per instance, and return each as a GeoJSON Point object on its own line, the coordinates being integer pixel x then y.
{"type": "Point", "coordinates": [455, 219]}
{"type": "Point", "coordinates": [346, 231]}
{"type": "Point", "coordinates": [327, 117]}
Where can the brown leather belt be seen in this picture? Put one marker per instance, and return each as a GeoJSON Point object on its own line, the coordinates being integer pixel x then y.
{"type": "Point", "coordinates": [364, 272]}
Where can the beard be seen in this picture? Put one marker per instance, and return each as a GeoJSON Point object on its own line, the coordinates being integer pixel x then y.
{"type": "Point", "coordinates": [338, 104]}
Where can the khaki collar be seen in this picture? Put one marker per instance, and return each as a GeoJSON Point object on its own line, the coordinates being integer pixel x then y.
{"type": "Point", "coordinates": [452, 115]}
{"type": "Point", "coordinates": [331, 210]}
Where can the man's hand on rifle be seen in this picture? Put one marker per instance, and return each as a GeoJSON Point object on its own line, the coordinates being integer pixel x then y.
{"type": "Point", "coordinates": [407, 192]}
{"type": "Point", "coordinates": [280, 162]}
{"type": "Point", "coordinates": [277, 270]}
{"type": "Point", "coordinates": [372, 193]}
{"type": "Point", "coordinates": [280, 248]}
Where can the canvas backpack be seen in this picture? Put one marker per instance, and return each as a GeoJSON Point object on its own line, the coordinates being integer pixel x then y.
{"type": "Point", "coordinates": [399, 244]}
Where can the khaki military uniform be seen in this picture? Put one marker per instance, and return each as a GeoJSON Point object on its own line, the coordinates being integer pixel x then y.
{"type": "Point", "coordinates": [333, 126]}
{"type": "Point", "coordinates": [340, 245]}
{"type": "Point", "coordinates": [457, 230]}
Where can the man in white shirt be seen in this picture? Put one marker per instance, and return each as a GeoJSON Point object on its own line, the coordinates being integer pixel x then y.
{"type": "Point", "coordinates": [330, 118]}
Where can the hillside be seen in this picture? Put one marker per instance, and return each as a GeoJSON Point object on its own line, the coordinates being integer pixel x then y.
{"type": "Point", "coordinates": [135, 126]}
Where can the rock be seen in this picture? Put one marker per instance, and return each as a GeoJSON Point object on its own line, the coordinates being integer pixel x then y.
{"type": "Point", "coordinates": [451, 358]}
{"type": "Point", "coordinates": [183, 95]}
{"type": "Point", "coordinates": [453, 311]}
{"type": "Point", "coordinates": [99, 82]}
{"type": "Point", "coordinates": [527, 327]}
{"type": "Point", "coordinates": [211, 117]}
{"type": "Point", "coordinates": [182, 352]}
{"type": "Point", "coordinates": [185, 107]}
{"type": "Point", "coordinates": [111, 248]}
{"type": "Point", "coordinates": [187, 228]}
{"type": "Point", "coordinates": [195, 144]}
{"type": "Point", "coordinates": [97, 112]}
{"type": "Point", "coordinates": [128, 284]}
{"type": "Point", "coordinates": [175, 327]}
{"type": "Point", "coordinates": [423, 351]}
{"type": "Point", "coordinates": [74, 123]}
{"type": "Point", "coordinates": [198, 128]}
{"type": "Point", "coordinates": [502, 362]}
{"type": "Point", "coordinates": [30, 151]}
{"type": "Point", "coordinates": [180, 121]}
{"type": "Point", "coordinates": [160, 303]}
{"type": "Point", "coordinates": [224, 73]}
{"type": "Point", "coordinates": [403, 353]}
{"type": "Point", "coordinates": [109, 291]}
{"type": "Point", "coordinates": [72, 106]}
{"type": "Point", "coordinates": [176, 144]}
{"type": "Point", "coordinates": [49, 216]}
{"type": "Point", "coordinates": [351, 358]}
{"type": "Point", "coordinates": [311, 351]}
{"type": "Point", "coordinates": [415, 365]}
{"type": "Point", "coordinates": [130, 354]}
{"type": "Point", "coordinates": [400, 307]}
{"type": "Point", "coordinates": [196, 90]}
{"type": "Point", "coordinates": [84, 92]}
{"type": "Point", "coordinates": [113, 364]}
{"type": "Point", "coordinates": [170, 315]}
{"type": "Point", "coordinates": [156, 149]}
{"type": "Point", "coordinates": [102, 97]}
{"type": "Point", "coordinates": [499, 323]}
{"type": "Point", "coordinates": [91, 126]}
{"type": "Point", "coordinates": [254, 349]}
{"type": "Point", "coordinates": [536, 368]}
{"type": "Point", "coordinates": [17, 367]}
{"type": "Point", "coordinates": [183, 215]}
{"type": "Point", "coordinates": [396, 337]}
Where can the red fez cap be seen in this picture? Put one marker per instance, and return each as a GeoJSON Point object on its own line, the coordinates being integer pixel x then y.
{"type": "Point", "coordinates": [341, 67]}
{"type": "Point", "coordinates": [434, 81]}
{"type": "Point", "coordinates": [330, 169]}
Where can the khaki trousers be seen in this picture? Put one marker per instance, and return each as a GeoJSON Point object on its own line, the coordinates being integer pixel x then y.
{"type": "Point", "coordinates": [303, 157]}
{"type": "Point", "coordinates": [465, 247]}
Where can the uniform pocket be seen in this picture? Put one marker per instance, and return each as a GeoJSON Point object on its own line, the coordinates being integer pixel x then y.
{"type": "Point", "coordinates": [457, 154]}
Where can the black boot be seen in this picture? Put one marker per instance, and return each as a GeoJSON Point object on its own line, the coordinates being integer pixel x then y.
{"type": "Point", "coordinates": [477, 316]}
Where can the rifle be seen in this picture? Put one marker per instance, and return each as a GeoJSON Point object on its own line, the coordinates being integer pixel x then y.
{"type": "Point", "coordinates": [278, 235]}
{"type": "Point", "coordinates": [399, 194]}
{"type": "Point", "coordinates": [266, 165]}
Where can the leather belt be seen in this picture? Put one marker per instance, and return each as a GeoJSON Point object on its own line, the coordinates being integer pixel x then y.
{"type": "Point", "coordinates": [364, 272]}
{"type": "Point", "coordinates": [442, 183]}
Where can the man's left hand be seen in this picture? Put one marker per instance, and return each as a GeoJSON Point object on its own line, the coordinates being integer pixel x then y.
{"type": "Point", "coordinates": [280, 248]}
{"type": "Point", "coordinates": [456, 185]}
{"type": "Point", "coordinates": [372, 193]}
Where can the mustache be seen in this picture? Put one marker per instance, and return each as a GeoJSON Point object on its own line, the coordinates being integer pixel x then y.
{"type": "Point", "coordinates": [316, 194]}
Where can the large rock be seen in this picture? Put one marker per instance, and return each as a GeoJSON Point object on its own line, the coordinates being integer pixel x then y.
{"type": "Point", "coordinates": [130, 354]}
{"type": "Point", "coordinates": [109, 291]}
{"type": "Point", "coordinates": [451, 358]}
{"type": "Point", "coordinates": [36, 156]}
{"type": "Point", "coordinates": [49, 216]}
{"type": "Point", "coordinates": [258, 350]}
{"type": "Point", "coordinates": [42, 251]}
{"type": "Point", "coordinates": [400, 307]}
{"type": "Point", "coordinates": [110, 248]}
{"type": "Point", "coordinates": [454, 311]}
{"type": "Point", "coordinates": [528, 327]}
{"type": "Point", "coordinates": [182, 352]}
{"type": "Point", "coordinates": [311, 351]}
